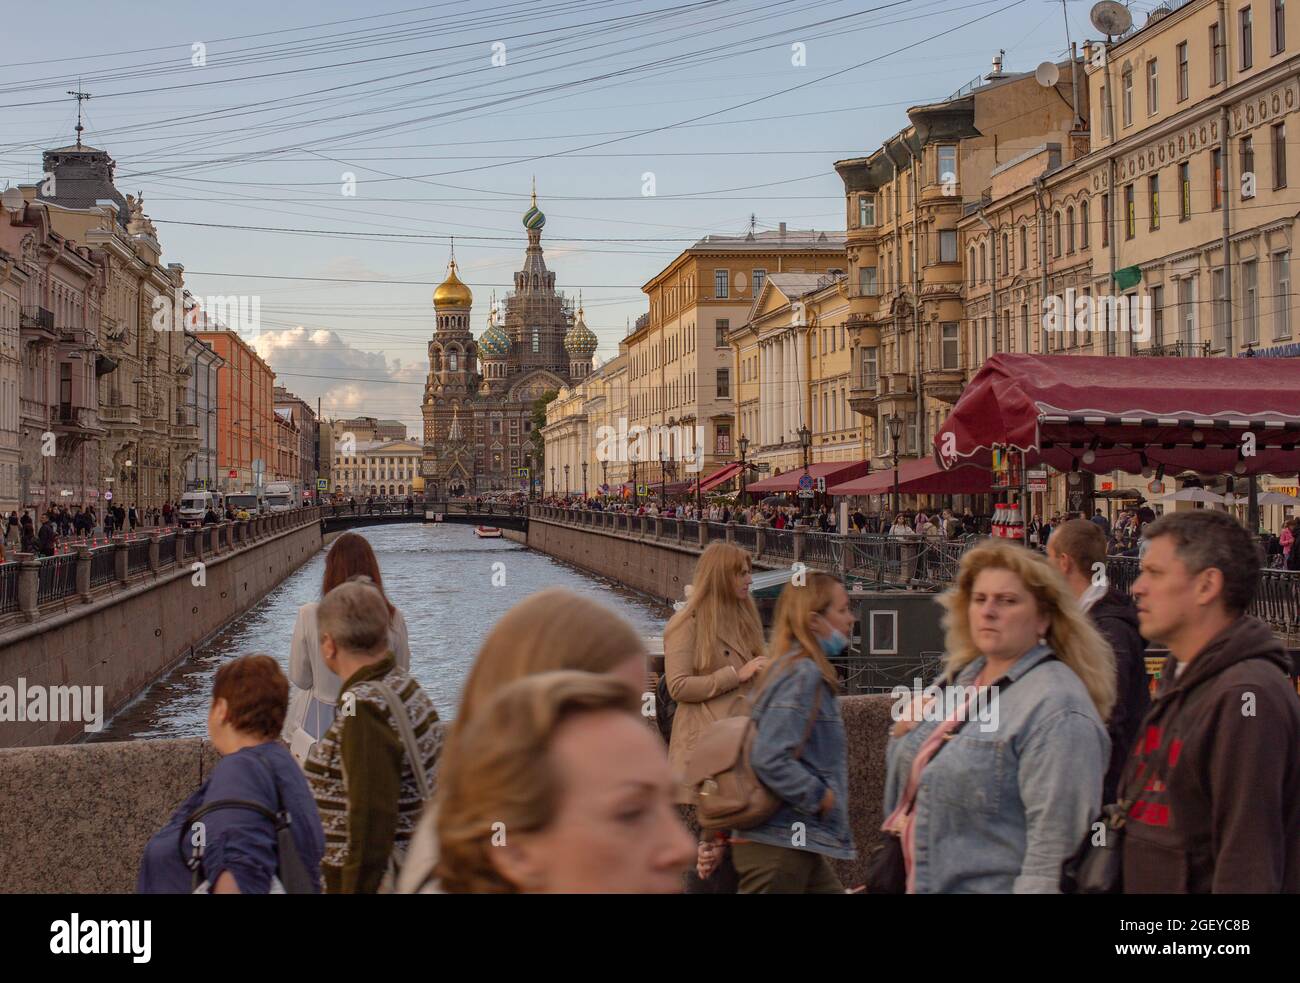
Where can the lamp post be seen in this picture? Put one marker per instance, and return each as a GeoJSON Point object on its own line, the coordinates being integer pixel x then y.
{"type": "Point", "coordinates": [895, 434]}
{"type": "Point", "coordinates": [805, 441]}
{"type": "Point", "coordinates": [604, 480]}
{"type": "Point", "coordinates": [633, 452]}
{"type": "Point", "coordinates": [743, 443]}
{"type": "Point", "coordinates": [566, 481]}
{"type": "Point", "coordinates": [552, 480]}
{"type": "Point", "coordinates": [584, 481]}
{"type": "Point", "coordinates": [663, 471]}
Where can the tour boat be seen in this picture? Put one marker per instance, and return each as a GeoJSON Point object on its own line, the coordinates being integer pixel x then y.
{"type": "Point", "coordinates": [487, 532]}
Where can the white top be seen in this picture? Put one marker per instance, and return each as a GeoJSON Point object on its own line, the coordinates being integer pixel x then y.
{"type": "Point", "coordinates": [307, 669]}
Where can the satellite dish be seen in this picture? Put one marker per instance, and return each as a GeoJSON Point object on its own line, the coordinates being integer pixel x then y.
{"type": "Point", "coordinates": [1047, 74]}
{"type": "Point", "coordinates": [12, 199]}
{"type": "Point", "coordinates": [1111, 18]}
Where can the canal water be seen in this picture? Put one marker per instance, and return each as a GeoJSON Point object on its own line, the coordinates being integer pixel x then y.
{"type": "Point", "coordinates": [440, 576]}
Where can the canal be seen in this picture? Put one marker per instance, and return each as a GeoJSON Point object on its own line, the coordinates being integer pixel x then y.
{"type": "Point", "coordinates": [442, 579]}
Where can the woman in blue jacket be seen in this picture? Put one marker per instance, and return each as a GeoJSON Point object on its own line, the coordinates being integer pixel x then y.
{"type": "Point", "coordinates": [799, 750]}
{"type": "Point", "coordinates": [250, 696]}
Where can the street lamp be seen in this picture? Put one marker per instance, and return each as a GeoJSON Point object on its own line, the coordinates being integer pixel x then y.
{"type": "Point", "coordinates": [604, 480]}
{"type": "Point", "coordinates": [895, 434]}
{"type": "Point", "coordinates": [663, 470]}
{"type": "Point", "coordinates": [805, 441]}
{"type": "Point", "coordinates": [743, 443]}
{"type": "Point", "coordinates": [584, 481]}
{"type": "Point", "coordinates": [552, 480]}
{"type": "Point", "coordinates": [566, 481]}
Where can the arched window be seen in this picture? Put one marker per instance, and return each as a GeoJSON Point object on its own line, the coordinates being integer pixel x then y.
{"type": "Point", "coordinates": [1056, 234]}
{"type": "Point", "coordinates": [1083, 224]}
{"type": "Point", "coordinates": [984, 263]}
{"type": "Point", "coordinates": [453, 362]}
{"type": "Point", "coordinates": [1006, 261]}
{"type": "Point", "coordinates": [972, 266]}
{"type": "Point", "coordinates": [1069, 229]}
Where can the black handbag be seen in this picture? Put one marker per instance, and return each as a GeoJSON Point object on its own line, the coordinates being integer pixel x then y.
{"type": "Point", "coordinates": [292, 872]}
{"type": "Point", "coordinates": [886, 867]}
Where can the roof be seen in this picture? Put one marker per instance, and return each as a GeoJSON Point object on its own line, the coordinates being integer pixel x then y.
{"type": "Point", "coordinates": [1098, 413]}
{"type": "Point", "coordinates": [923, 477]}
{"type": "Point", "coordinates": [796, 284]}
{"type": "Point", "coordinates": [765, 242]}
{"type": "Point", "coordinates": [833, 471]}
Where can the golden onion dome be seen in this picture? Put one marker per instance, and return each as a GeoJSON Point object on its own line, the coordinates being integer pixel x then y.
{"type": "Point", "coordinates": [451, 293]}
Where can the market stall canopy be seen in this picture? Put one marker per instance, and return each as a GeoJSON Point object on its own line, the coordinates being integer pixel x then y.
{"type": "Point", "coordinates": [833, 471]}
{"type": "Point", "coordinates": [1183, 413]}
{"type": "Point", "coordinates": [722, 475]}
{"type": "Point", "coordinates": [924, 477]}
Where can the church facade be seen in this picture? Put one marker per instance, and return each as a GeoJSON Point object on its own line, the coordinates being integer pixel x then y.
{"type": "Point", "coordinates": [479, 393]}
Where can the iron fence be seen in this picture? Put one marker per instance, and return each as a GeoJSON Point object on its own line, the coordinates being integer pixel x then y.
{"type": "Point", "coordinates": [8, 587]}
{"type": "Point", "coordinates": [778, 543]}
{"type": "Point", "coordinates": [103, 565]}
{"type": "Point", "coordinates": [167, 550]}
{"type": "Point", "coordinates": [137, 556]}
{"type": "Point", "coordinates": [57, 577]}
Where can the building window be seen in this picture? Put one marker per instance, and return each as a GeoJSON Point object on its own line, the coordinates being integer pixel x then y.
{"type": "Point", "coordinates": [1187, 309]}
{"type": "Point", "coordinates": [1153, 87]}
{"type": "Point", "coordinates": [1250, 316]}
{"type": "Point", "coordinates": [1126, 100]}
{"type": "Point", "coordinates": [1083, 224]}
{"type": "Point", "coordinates": [1279, 156]}
{"type": "Point", "coordinates": [720, 328]}
{"type": "Point", "coordinates": [947, 156]}
{"type": "Point", "coordinates": [1006, 255]}
{"type": "Point", "coordinates": [869, 368]}
{"type": "Point", "coordinates": [1157, 316]}
{"type": "Point", "coordinates": [984, 263]}
{"type": "Point", "coordinates": [724, 383]}
{"type": "Point", "coordinates": [1282, 294]}
{"type": "Point", "coordinates": [866, 211]}
{"type": "Point", "coordinates": [537, 341]}
{"type": "Point", "coordinates": [1056, 234]}
{"type": "Point", "coordinates": [1105, 220]}
{"type": "Point", "coordinates": [1217, 72]}
{"type": "Point", "coordinates": [1184, 191]}
{"type": "Point", "coordinates": [867, 281]}
{"type": "Point", "coordinates": [1105, 117]}
{"type": "Point", "coordinates": [1247, 167]}
{"type": "Point", "coordinates": [760, 277]}
{"type": "Point", "coordinates": [1069, 229]}
{"type": "Point", "coordinates": [453, 362]}
{"type": "Point", "coordinates": [1216, 178]}
{"type": "Point", "coordinates": [1219, 307]}
{"type": "Point", "coordinates": [972, 266]}
{"type": "Point", "coordinates": [1153, 193]}
{"type": "Point", "coordinates": [1130, 212]}
{"type": "Point", "coordinates": [721, 284]}
{"type": "Point", "coordinates": [1182, 72]}
{"type": "Point", "coordinates": [1247, 43]}
{"type": "Point", "coordinates": [1024, 246]}
{"type": "Point", "coordinates": [951, 355]}
{"type": "Point", "coordinates": [1279, 26]}
{"type": "Point", "coordinates": [723, 444]}
{"type": "Point", "coordinates": [948, 246]}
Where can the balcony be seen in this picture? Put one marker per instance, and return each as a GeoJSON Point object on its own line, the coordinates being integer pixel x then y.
{"type": "Point", "coordinates": [120, 417]}
{"type": "Point", "coordinates": [1176, 349]}
{"type": "Point", "coordinates": [78, 422]}
{"type": "Point", "coordinates": [943, 383]}
{"type": "Point", "coordinates": [34, 411]}
{"type": "Point", "coordinates": [862, 394]}
{"type": "Point", "coordinates": [36, 323]}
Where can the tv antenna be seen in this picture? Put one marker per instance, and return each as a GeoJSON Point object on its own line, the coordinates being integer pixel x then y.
{"type": "Point", "coordinates": [80, 97]}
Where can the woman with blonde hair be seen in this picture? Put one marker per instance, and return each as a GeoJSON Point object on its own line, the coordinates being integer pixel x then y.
{"type": "Point", "coordinates": [557, 786]}
{"type": "Point", "coordinates": [800, 752]}
{"type": "Point", "coordinates": [713, 650]}
{"type": "Point", "coordinates": [992, 787]}
{"type": "Point", "coordinates": [550, 630]}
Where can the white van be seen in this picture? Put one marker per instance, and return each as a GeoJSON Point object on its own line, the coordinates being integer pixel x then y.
{"type": "Point", "coordinates": [195, 505]}
{"type": "Point", "coordinates": [251, 502]}
{"type": "Point", "coordinates": [281, 496]}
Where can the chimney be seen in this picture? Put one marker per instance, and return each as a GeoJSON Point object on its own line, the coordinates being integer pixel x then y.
{"type": "Point", "coordinates": [997, 66]}
{"type": "Point", "coordinates": [782, 230]}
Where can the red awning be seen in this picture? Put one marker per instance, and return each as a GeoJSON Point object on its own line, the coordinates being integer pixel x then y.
{"type": "Point", "coordinates": [833, 471]}
{"type": "Point", "coordinates": [724, 473]}
{"type": "Point", "coordinates": [924, 477]}
{"type": "Point", "coordinates": [1183, 413]}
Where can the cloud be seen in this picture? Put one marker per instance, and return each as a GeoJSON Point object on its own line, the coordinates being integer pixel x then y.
{"type": "Point", "coordinates": [348, 381]}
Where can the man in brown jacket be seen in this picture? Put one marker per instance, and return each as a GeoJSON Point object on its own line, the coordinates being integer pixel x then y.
{"type": "Point", "coordinates": [1214, 781]}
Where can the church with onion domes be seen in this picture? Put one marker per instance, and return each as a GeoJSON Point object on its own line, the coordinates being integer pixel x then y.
{"type": "Point", "coordinates": [479, 393]}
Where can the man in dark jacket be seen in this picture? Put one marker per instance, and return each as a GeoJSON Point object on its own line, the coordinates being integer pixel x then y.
{"type": "Point", "coordinates": [1215, 777]}
{"type": "Point", "coordinates": [1078, 549]}
{"type": "Point", "coordinates": [46, 538]}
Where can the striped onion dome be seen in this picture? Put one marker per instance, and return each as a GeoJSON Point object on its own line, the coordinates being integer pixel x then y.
{"type": "Point", "coordinates": [580, 339]}
{"type": "Point", "coordinates": [494, 342]}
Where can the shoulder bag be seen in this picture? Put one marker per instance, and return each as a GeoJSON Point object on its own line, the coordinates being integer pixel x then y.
{"type": "Point", "coordinates": [404, 728]}
{"type": "Point", "coordinates": [728, 794]}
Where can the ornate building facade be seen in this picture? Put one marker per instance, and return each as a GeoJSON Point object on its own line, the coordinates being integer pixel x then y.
{"type": "Point", "coordinates": [479, 395]}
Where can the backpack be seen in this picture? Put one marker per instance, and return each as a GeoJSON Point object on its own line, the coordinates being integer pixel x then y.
{"type": "Point", "coordinates": [727, 792]}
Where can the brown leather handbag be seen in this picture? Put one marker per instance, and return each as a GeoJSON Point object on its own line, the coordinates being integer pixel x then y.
{"type": "Point", "coordinates": [727, 792]}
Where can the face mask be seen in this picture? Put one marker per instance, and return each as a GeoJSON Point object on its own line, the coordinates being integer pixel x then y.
{"type": "Point", "coordinates": [835, 644]}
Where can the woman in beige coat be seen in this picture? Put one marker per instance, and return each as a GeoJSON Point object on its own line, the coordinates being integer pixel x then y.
{"type": "Point", "coordinates": [713, 650]}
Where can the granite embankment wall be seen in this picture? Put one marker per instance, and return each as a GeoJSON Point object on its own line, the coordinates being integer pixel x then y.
{"type": "Point", "coordinates": [76, 818]}
{"type": "Point", "coordinates": [122, 635]}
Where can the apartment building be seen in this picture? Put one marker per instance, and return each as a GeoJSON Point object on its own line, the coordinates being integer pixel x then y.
{"type": "Point", "coordinates": [582, 432]}
{"type": "Point", "coordinates": [246, 427]}
{"type": "Point", "coordinates": [682, 368]}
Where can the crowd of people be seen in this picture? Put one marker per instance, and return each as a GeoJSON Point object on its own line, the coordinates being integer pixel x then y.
{"type": "Point", "coordinates": [340, 776]}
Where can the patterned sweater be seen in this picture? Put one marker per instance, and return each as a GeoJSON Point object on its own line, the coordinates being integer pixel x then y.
{"type": "Point", "coordinates": [363, 782]}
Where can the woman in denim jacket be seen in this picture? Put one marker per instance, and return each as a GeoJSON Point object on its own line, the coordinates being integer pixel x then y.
{"type": "Point", "coordinates": [788, 853]}
{"type": "Point", "coordinates": [1003, 788]}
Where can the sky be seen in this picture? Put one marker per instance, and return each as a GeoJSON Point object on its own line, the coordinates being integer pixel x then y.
{"type": "Point", "coordinates": [323, 157]}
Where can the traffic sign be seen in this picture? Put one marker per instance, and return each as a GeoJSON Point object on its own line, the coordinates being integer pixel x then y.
{"type": "Point", "coordinates": [108, 496]}
{"type": "Point", "coordinates": [642, 490]}
{"type": "Point", "coordinates": [805, 493]}
{"type": "Point", "coordinates": [234, 473]}
{"type": "Point", "coordinates": [820, 484]}
{"type": "Point", "coordinates": [805, 483]}
{"type": "Point", "coordinates": [763, 466]}
{"type": "Point", "coordinates": [1156, 487]}
{"type": "Point", "coordinates": [322, 484]}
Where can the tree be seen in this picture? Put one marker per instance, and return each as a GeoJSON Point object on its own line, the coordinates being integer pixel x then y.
{"type": "Point", "coordinates": [539, 421]}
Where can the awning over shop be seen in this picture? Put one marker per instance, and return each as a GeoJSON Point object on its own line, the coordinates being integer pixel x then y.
{"type": "Point", "coordinates": [723, 474]}
{"type": "Point", "coordinates": [924, 477]}
{"type": "Point", "coordinates": [833, 471]}
{"type": "Point", "coordinates": [1129, 413]}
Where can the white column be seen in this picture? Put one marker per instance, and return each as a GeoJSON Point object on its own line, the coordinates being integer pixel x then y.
{"type": "Point", "coordinates": [764, 393]}
{"type": "Point", "coordinates": [787, 403]}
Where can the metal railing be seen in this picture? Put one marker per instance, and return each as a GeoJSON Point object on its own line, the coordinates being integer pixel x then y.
{"type": "Point", "coordinates": [57, 577]}
{"type": "Point", "coordinates": [746, 537]}
{"type": "Point", "coordinates": [137, 556]}
{"type": "Point", "coordinates": [818, 548]}
{"type": "Point", "coordinates": [8, 587]}
{"type": "Point", "coordinates": [103, 565]}
{"type": "Point", "coordinates": [779, 543]}
{"type": "Point", "coordinates": [167, 549]}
